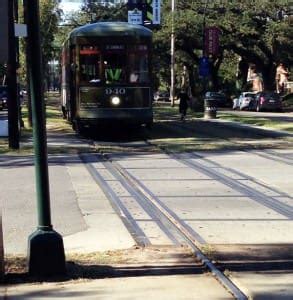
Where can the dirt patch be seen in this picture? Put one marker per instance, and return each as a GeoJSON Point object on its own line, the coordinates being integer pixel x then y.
{"type": "Point", "coordinates": [136, 261]}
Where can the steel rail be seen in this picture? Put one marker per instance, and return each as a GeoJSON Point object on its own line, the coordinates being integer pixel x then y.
{"type": "Point", "coordinates": [184, 230]}
{"type": "Point", "coordinates": [272, 155]}
{"type": "Point", "coordinates": [143, 202]}
{"type": "Point", "coordinates": [140, 238]}
{"type": "Point", "coordinates": [253, 194]}
{"type": "Point", "coordinates": [244, 176]}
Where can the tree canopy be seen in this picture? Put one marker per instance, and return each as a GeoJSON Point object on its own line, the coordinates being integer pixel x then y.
{"type": "Point", "coordinates": [252, 32]}
{"type": "Point", "coordinates": [258, 32]}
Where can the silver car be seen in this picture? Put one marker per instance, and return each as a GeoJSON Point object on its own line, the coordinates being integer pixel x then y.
{"type": "Point", "coordinates": [245, 101]}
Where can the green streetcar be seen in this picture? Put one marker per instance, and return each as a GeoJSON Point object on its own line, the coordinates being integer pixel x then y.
{"type": "Point", "coordinates": [106, 75]}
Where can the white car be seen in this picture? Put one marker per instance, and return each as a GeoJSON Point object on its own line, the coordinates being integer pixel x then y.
{"type": "Point", "coordinates": [244, 101]}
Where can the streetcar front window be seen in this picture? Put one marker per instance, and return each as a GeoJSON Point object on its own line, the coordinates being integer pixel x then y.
{"type": "Point", "coordinates": [114, 61]}
{"type": "Point", "coordinates": [90, 64]}
{"type": "Point", "coordinates": [138, 64]}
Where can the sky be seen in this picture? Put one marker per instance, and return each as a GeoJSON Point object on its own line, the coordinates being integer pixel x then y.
{"type": "Point", "coordinates": [70, 5]}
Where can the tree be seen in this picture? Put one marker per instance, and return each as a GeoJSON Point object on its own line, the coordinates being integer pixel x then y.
{"type": "Point", "coordinates": [95, 11]}
{"type": "Point", "coordinates": [253, 31]}
{"type": "Point", "coordinates": [50, 15]}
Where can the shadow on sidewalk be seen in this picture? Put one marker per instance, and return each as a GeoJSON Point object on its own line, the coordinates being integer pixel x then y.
{"type": "Point", "coordinates": [79, 271]}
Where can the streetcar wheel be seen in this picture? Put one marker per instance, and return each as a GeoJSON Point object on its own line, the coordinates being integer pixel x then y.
{"type": "Point", "coordinates": [73, 125]}
{"type": "Point", "coordinates": [80, 129]}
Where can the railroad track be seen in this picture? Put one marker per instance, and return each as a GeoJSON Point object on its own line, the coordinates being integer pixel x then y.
{"type": "Point", "coordinates": [176, 230]}
{"type": "Point", "coordinates": [245, 185]}
{"type": "Point", "coordinates": [275, 156]}
{"type": "Point", "coordinates": [201, 132]}
{"type": "Point", "coordinates": [136, 204]}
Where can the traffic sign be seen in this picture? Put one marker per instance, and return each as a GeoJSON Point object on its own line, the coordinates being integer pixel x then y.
{"type": "Point", "coordinates": [135, 17]}
{"type": "Point", "coordinates": [153, 12]}
{"type": "Point", "coordinates": [150, 10]}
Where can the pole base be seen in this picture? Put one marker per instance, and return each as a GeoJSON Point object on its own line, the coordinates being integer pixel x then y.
{"type": "Point", "coordinates": [46, 255]}
{"type": "Point", "coordinates": [210, 115]}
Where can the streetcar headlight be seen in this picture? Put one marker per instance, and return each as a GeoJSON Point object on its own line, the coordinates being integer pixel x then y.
{"type": "Point", "coordinates": [115, 100]}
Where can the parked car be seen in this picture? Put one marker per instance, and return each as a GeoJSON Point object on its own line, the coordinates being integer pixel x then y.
{"type": "Point", "coordinates": [221, 99]}
{"type": "Point", "coordinates": [244, 101]}
{"type": "Point", "coordinates": [3, 97]}
{"type": "Point", "coordinates": [235, 104]}
{"type": "Point", "coordinates": [270, 101]}
{"type": "Point", "coordinates": [162, 96]}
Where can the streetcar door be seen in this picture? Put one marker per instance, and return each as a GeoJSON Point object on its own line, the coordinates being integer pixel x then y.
{"type": "Point", "coordinates": [73, 67]}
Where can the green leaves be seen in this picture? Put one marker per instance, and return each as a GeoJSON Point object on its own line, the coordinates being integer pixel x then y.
{"type": "Point", "coordinates": [250, 29]}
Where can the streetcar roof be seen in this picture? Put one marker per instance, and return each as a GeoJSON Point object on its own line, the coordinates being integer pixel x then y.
{"type": "Point", "coordinates": [105, 29]}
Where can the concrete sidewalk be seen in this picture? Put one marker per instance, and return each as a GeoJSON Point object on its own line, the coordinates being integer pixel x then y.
{"type": "Point", "coordinates": [187, 287]}
{"type": "Point", "coordinates": [88, 223]}
{"type": "Point", "coordinates": [79, 209]}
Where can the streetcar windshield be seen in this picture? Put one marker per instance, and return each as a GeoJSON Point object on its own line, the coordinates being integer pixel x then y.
{"type": "Point", "coordinates": [90, 64]}
{"type": "Point", "coordinates": [114, 64]}
{"type": "Point", "coordinates": [114, 60]}
{"type": "Point", "coordinates": [138, 64]}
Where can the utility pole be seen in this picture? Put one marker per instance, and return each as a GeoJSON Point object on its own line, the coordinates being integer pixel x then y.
{"type": "Point", "coordinates": [203, 43]}
{"type": "Point", "coordinates": [13, 110]}
{"type": "Point", "coordinates": [172, 88]}
{"type": "Point", "coordinates": [204, 27]}
{"type": "Point", "coordinates": [46, 251]}
{"type": "Point", "coordinates": [29, 102]}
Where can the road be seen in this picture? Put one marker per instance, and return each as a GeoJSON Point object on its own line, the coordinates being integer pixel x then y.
{"type": "Point", "coordinates": [3, 114]}
{"type": "Point", "coordinates": [3, 123]}
{"type": "Point", "coordinates": [233, 205]}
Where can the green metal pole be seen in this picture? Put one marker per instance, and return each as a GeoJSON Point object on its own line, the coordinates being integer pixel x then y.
{"type": "Point", "coordinates": [46, 251]}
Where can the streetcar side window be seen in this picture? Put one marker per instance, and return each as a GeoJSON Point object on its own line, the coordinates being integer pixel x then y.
{"type": "Point", "coordinates": [138, 64]}
{"type": "Point", "coordinates": [114, 59]}
{"type": "Point", "coordinates": [90, 64]}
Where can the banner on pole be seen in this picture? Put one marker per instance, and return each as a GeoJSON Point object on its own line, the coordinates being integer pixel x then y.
{"type": "Point", "coordinates": [212, 43]}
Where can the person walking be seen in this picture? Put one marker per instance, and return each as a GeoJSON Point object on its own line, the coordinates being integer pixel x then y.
{"type": "Point", "coordinates": [256, 79]}
{"type": "Point", "coordinates": [183, 104]}
{"type": "Point", "coordinates": [281, 78]}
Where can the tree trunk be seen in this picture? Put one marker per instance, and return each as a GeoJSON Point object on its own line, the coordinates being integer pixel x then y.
{"type": "Point", "coordinates": [269, 76]}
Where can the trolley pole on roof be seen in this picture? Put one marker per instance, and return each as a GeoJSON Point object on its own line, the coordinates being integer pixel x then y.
{"type": "Point", "coordinates": [46, 251]}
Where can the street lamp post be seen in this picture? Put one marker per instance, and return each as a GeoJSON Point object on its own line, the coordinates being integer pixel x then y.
{"type": "Point", "coordinates": [172, 88]}
{"type": "Point", "coordinates": [46, 251]}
